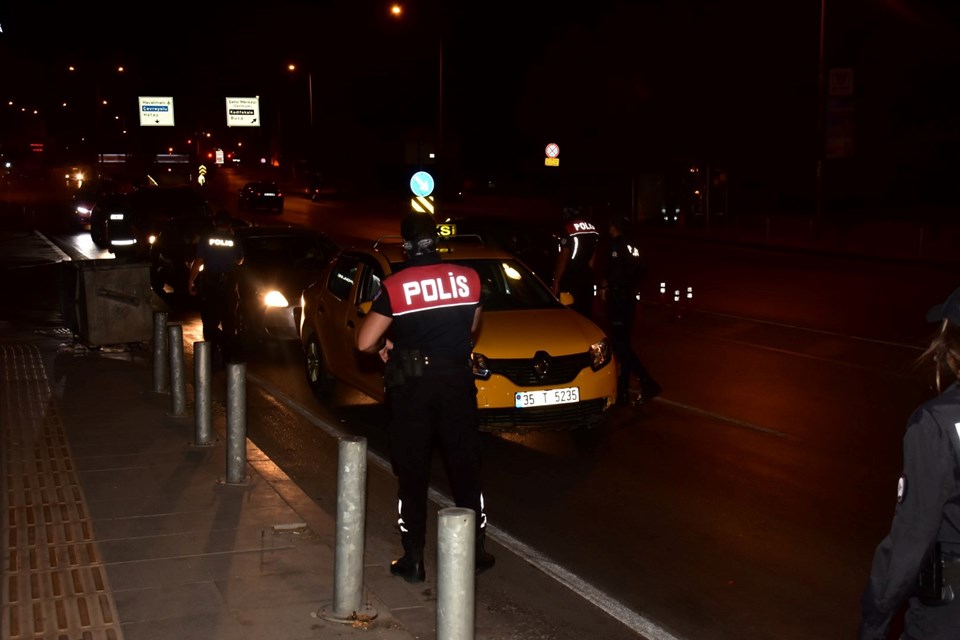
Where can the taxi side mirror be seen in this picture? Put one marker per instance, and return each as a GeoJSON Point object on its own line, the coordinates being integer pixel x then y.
{"type": "Point", "coordinates": [566, 298]}
{"type": "Point", "coordinates": [364, 308]}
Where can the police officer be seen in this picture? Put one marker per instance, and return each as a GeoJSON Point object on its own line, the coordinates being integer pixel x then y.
{"type": "Point", "coordinates": [213, 279]}
{"type": "Point", "coordinates": [432, 309]}
{"type": "Point", "coordinates": [623, 268]}
{"type": "Point", "coordinates": [919, 560]}
{"type": "Point", "coordinates": [573, 271]}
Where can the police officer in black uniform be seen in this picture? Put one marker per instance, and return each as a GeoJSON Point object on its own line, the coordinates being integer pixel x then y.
{"type": "Point", "coordinates": [213, 279]}
{"type": "Point", "coordinates": [573, 271]}
{"type": "Point", "coordinates": [919, 560]}
{"type": "Point", "coordinates": [432, 309]}
{"type": "Point", "coordinates": [623, 267]}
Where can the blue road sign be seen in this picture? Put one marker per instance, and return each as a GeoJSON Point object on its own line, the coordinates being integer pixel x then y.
{"type": "Point", "coordinates": [421, 184]}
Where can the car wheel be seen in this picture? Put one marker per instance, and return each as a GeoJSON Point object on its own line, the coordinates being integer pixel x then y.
{"type": "Point", "coordinates": [318, 377]}
{"type": "Point", "coordinates": [99, 235]}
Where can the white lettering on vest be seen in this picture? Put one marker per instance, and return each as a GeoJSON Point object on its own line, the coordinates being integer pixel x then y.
{"type": "Point", "coordinates": [433, 289]}
{"type": "Point", "coordinates": [220, 242]}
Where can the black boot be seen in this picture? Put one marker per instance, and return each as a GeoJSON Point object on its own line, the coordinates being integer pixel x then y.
{"type": "Point", "coordinates": [650, 391]}
{"type": "Point", "coordinates": [409, 566]}
{"type": "Point", "coordinates": [484, 560]}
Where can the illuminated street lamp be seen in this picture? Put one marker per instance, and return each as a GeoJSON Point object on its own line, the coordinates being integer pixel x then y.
{"type": "Point", "coordinates": [396, 11]}
{"type": "Point", "coordinates": [292, 68]}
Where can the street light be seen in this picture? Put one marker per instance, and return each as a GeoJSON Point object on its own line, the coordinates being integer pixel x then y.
{"type": "Point", "coordinates": [292, 68]}
{"type": "Point", "coordinates": [821, 108]}
{"type": "Point", "coordinates": [396, 11]}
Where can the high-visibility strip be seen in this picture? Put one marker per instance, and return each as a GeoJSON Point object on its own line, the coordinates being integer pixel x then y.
{"type": "Point", "coordinates": [422, 204]}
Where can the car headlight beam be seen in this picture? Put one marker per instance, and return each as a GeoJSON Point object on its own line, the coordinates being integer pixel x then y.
{"type": "Point", "coordinates": [275, 299]}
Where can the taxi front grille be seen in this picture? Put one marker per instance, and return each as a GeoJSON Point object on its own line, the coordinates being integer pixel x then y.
{"type": "Point", "coordinates": [588, 413]}
{"type": "Point", "coordinates": [553, 370]}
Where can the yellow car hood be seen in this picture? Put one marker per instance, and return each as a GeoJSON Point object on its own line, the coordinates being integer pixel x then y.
{"type": "Point", "coordinates": [520, 334]}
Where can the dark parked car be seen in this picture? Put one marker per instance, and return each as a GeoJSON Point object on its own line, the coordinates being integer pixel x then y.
{"type": "Point", "coordinates": [86, 195]}
{"type": "Point", "coordinates": [128, 223]}
{"type": "Point", "coordinates": [261, 195]}
{"type": "Point", "coordinates": [279, 262]}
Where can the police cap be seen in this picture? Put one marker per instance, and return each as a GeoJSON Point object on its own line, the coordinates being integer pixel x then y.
{"type": "Point", "coordinates": [418, 226]}
{"type": "Point", "coordinates": [949, 310]}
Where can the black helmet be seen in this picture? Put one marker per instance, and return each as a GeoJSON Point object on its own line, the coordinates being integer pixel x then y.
{"type": "Point", "coordinates": [223, 218]}
{"type": "Point", "coordinates": [621, 222]}
{"type": "Point", "coordinates": [572, 210]}
{"type": "Point", "coordinates": [419, 232]}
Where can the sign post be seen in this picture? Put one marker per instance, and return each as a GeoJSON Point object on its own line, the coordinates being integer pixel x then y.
{"type": "Point", "coordinates": [553, 155]}
{"type": "Point", "coordinates": [422, 185]}
{"type": "Point", "coordinates": [156, 112]}
{"type": "Point", "coordinates": [243, 112]}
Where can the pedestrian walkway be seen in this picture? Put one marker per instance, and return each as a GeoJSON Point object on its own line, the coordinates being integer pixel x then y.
{"type": "Point", "coordinates": [119, 527]}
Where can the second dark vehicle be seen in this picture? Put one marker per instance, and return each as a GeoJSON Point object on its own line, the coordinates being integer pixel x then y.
{"type": "Point", "coordinates": [261, 194]}
{"type": "Point", "coordinates": [279, 262]}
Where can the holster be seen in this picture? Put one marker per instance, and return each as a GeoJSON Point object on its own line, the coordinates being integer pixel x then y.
{"type": "Point", "coordinates": [410, 361]}
{"type": "Point", "coordinates": [937, 581]}
{"type": "Point", "coordinates": [403, 364]}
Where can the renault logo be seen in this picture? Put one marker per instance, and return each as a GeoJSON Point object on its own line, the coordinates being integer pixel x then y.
{"type": "Point", "coordinates": [541, 363]}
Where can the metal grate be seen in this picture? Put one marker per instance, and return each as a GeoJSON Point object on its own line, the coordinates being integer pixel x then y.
{"type": "Point", "coordinates": [54, 585]}
{"type": "Point", "coordinates": [553, 370]}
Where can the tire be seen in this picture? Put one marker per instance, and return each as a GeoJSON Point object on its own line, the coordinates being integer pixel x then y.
{"type": "Point", "coordinates": [318, 376]}
{"type": "Point", "coordinates": [98, 234]}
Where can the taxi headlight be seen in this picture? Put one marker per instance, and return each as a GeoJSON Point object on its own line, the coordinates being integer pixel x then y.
{"type": "Point", "coordinates": [600, 354]}
{"type": "Point", "coordinates": [481, 368]}
{"type": "Point", "coordinates": [275, 299]}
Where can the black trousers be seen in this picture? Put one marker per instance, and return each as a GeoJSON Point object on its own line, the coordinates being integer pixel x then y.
{"type": "Point", "coordinates": [621, 309]}
{"type": "Point", "coordinates": [219, 301]}
{"type": "Point", "coordinates": [435, 409]}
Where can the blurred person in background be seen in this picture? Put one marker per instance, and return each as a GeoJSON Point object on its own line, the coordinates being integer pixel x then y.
{"type": "Point", "coordinates": [623, 269]}
{"type": "Point", "coordinates": [573, 270]}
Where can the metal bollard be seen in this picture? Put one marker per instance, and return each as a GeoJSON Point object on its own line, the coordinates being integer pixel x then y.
{"type": "Point", "coordinates": [161, 383]}
{"type": "Point", "coordinates": [456, 573]}
{"type": "Point", "coordinates": [351, 510]}
{"type": "Point", "coordinates": [202, 411]}
{"type": "Point", "coordinates": [178, 385]}
{"type": "Point", "coordinates": [236, 423]}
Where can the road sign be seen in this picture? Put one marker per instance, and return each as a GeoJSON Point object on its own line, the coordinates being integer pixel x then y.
{"type": "Point", "coordinates": [156, 112]}
{"type": "Point", "coordinates": [421, 184]}
{"type": "Point", "coordinates": [201, 174]}
{"type": "Point", "coordinates": [552, 150]}
{"type": "Point", "coordinates": [422, 204]}
{"type": "Point", "coordinates": [551, 162]}
{"type": "Point", "coordinates": [243, 112]}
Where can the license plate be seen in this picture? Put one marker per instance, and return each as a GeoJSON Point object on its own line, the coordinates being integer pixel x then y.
{"type": "Point", "coordinates": [547, 397]}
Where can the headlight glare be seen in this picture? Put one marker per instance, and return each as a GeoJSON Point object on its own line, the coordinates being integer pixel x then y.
{"type": "Point", "coordinates": [275, 299]}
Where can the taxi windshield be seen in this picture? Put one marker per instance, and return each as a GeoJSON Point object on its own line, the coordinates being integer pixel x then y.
{"type": "Point", "coordinates": [508, 285]}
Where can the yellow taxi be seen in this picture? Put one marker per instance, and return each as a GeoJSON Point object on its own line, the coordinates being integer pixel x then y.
{"type": "Point", "coordinates": [539, 365]}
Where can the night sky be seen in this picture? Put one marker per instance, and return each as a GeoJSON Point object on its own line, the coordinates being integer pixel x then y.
{"type": "Point", "coordinates": [623, 87]}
